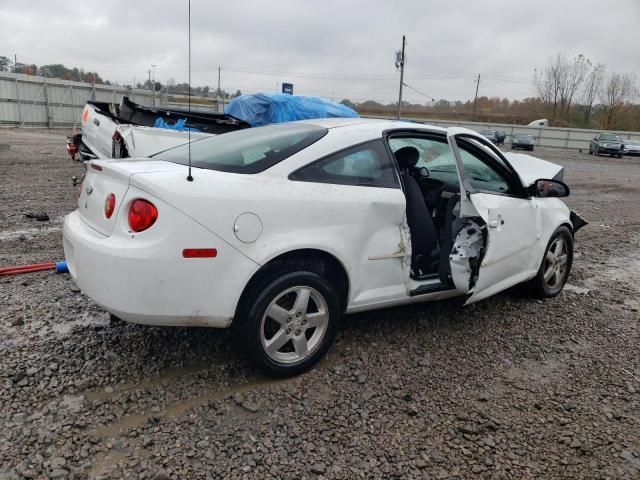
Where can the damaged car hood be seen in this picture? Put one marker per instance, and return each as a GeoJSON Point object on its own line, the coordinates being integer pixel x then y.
{"type": "Point", "coordinates": [531, 168]}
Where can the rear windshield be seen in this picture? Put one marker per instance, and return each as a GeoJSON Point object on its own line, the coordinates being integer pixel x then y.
{"type": "Point", "coordinates": [251, 150]}
{"type": "Point", "coordinates": [523, 136]}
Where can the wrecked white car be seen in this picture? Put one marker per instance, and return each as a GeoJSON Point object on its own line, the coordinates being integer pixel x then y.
{"type": "Point", "coordinates": [285, 228]}
{"type": "Point", "coordinates": [131, 130]}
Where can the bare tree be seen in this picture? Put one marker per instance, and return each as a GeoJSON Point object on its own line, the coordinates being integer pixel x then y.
{"type": "Point", "coordinates": [547, 83]}
{"type": "Point", "coordinates": [617, 93]}
{"type": "Point", "coordinates": [592, 87]}
{"type": "Point", "coordinates": [558, 83]}
{"type": "Point", "coordinates": [574, 72]}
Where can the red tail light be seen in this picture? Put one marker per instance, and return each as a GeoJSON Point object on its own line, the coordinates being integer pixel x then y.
{"type": "Point", "coordinates": [142, 214]}
{"type": "Point", "coordinates": [109, 205]}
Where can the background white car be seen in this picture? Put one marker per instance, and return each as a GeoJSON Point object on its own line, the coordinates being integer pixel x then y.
{"type": "Point", "coordinates": [285, 228]}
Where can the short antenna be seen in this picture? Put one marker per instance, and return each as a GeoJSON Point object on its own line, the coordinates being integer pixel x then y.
{"type": "Point", "coordinates": [189, 177]}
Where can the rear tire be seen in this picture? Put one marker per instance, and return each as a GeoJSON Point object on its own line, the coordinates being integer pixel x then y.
{"type": "Point", "coordinates": [287, 322]}
{"type": "Point", "coordinates": [555, 266]}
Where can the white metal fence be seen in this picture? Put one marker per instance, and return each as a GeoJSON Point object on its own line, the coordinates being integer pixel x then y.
{"type": "Point", "coordinates": [31, 101]}
{"type": "Point", "coordinates": [574, 138]}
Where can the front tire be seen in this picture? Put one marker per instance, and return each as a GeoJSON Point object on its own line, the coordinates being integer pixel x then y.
{"type": "Point", "coordinates": [556, 264]}
{"type": "Point", "coordinates": [288, 322]}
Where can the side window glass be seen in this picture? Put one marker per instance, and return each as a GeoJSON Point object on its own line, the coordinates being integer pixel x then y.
{"type": "Point", "coordinates": [479, 174]}
{"type": "Point", "coordinates": [367, 165]}
{"type": "Point", "coordinates": [435, 155]}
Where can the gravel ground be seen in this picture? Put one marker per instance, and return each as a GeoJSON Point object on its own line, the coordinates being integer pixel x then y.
{"type": "Point", "coordinates": [508, 388]}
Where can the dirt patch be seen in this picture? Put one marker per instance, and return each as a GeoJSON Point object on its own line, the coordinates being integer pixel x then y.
{"type": "Point", "coordinates": [510, 387]}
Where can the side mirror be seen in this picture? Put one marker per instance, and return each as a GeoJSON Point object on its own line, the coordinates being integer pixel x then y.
{"type": "Point", "coordinates": [595, 138]}
{"type": "Point", "coordinates": [543, 188]}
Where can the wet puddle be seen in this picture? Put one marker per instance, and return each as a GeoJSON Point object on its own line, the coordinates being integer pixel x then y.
{"type": "Point", "coordinates": [575, 289]}
{"type": "Point", "coordinates": [27, 233]}
{"type": "Point", "coordinates": [623, 270]}
{"type": "Point", "coordinates": [88, 319]}
{"type": "Point", "coordinates": [106, 462]}
{"type": "Point", "coordinates": [162, 377]}
{"type": "Point", "coordinates": [176, 410]}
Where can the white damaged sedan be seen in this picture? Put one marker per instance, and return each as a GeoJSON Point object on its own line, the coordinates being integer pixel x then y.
{"type": "Point", "coordinates": [285, 228]}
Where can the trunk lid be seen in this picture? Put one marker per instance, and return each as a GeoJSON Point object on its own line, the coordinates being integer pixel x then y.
{"type": "Point", "coordinates": [105, 177]}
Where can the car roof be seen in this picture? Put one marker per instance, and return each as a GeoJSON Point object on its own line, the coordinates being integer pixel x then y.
{"type": "Point", "coordinates": [374, 125]}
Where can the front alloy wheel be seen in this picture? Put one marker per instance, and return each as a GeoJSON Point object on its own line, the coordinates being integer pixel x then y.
{"type": "Point", "coordinates": [556, 264]}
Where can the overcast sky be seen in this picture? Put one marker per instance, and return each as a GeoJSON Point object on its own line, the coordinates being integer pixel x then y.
{"type": "Point", "coordinates": [333, 48]}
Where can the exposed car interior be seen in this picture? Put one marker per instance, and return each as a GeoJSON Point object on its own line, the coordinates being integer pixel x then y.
{"type": "Point", "coordinates": [429, 176]}
{"type": "Point", "coordinates": [432, 198]}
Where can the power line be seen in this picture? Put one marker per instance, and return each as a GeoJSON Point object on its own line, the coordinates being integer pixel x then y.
{"type": "Point", "coordinates": [419, 92]}
{"type": "Point", "coordinates": [508, 80]}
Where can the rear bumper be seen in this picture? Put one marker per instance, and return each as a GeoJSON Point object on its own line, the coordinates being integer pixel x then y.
{"type": "Point", "coordinates": [146, 280]}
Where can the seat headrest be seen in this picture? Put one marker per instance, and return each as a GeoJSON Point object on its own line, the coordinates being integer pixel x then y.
{"type": "Point", "coordinates": [407, 157]}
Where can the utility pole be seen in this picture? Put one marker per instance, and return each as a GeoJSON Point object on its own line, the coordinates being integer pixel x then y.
{"type": "Point", "coordinates": [15, 62]}
{"type": "Point", "coordinates": [475, 100]}
{"type": "Point", "coordinates": [219, 94]}
{"type": "Point", "coordinates": [400, 63]}
{"type": "Point", "coordinates": [153, 86]}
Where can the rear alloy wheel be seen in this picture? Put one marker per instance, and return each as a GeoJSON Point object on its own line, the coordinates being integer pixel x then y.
{"type": "Point", "coordinates": [556, 264]}
{"type": "Point", "coordinates": [287, 326]}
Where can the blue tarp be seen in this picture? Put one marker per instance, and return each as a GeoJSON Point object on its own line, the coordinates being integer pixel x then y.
{"type": "Point", "coordinates": [265, 108]}
{"type": "Point", "coordinates": [180, 125]}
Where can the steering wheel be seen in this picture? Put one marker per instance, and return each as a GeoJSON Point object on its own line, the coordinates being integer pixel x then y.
{"type": "Point", "coordinates": [424, 172]}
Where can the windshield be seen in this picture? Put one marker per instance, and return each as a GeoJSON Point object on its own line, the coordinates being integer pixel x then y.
{"type": "Point", "coordinates": [632, 142]}
{"type": "Point", "coordinates": [610, 137]}
{"type": "Point", "coordinates": [523, 136]}
{"type": "Point", "coordinates": [251, 150]}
